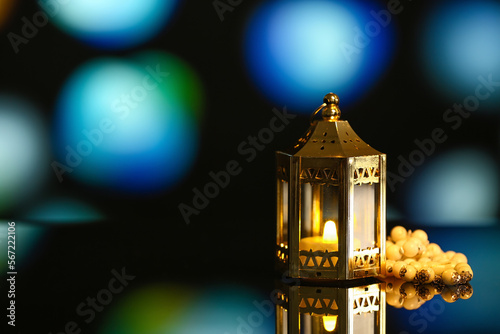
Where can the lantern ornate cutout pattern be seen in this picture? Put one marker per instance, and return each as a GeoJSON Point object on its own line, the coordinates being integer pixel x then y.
{"type": "Point", "coordinates": [330, 202]}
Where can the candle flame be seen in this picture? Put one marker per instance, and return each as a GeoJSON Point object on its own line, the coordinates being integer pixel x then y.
{"type": "Point", "coordinates": [330, 322]}
{"type": "Point", "coordinates": [330, 232]}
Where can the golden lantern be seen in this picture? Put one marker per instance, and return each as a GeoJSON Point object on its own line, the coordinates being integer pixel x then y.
{"type": "Point", "coordinates": [330, 202]}
{"type": "Point", "coordinates": [325, 310]}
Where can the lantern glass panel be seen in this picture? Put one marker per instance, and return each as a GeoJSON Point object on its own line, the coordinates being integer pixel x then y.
{"type": "Point", "coordinates": [318, 324]}
{"type": "Point", "coordinates": [364, 323]}
{"type": "Point", "coordinates": [365, 214]}
{"type": "Point", "coordinates": [319, 204]}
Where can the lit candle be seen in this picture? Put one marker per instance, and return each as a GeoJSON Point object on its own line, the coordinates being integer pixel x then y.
{"type": "Point", "coordinates": [330, 322]}
{"type": "Point", "coordinates": [328, 242]}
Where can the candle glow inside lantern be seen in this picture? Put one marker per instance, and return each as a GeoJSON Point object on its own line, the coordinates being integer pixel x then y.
{"type": "Point", "coordinates": [330, 202]}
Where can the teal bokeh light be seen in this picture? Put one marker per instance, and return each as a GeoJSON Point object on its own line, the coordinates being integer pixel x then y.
{"type": "Point", "coordinates": [110, 24]}
{"type": "Point", "coordinates": [129, 125]}
{"type": "Point", "coordinates": [461, 42]}
{"type": "Point", "coordinates": [63, 210]}
{"type": "Point", "coordinates": [458, 188]}
{"type": "Point", "coordinates": [296, 51]}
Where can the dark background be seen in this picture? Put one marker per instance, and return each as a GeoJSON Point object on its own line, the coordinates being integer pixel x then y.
{"type": "Point", "coordinates": [232, 239]}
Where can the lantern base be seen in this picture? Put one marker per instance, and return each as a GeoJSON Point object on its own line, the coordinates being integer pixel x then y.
{"type": "Point", "coordinates": [322, 265]}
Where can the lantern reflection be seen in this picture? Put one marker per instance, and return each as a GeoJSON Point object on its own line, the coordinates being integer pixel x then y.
{"type": "Point", "coordinates": [327, 309]}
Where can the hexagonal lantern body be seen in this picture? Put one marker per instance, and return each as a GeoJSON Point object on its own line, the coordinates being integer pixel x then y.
{"type": "Point", "coordinates": [330, 203]}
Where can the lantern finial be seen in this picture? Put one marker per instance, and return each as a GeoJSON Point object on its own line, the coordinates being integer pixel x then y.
{"type": "Point", "coordinates": [331, 111]}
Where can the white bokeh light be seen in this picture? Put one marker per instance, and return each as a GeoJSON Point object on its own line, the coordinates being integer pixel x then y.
{"type": "Point", "coordinates": [460, 187]}
{"type": "Point", "coordinates": [110, 24]}
{"type": "Point", "coordinates": [24, 151]}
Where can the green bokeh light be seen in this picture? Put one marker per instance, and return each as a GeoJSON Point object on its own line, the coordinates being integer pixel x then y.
{"type": "Point", "coordinates": [153, 309]}
{"type": "Point", "coordinates": [185, 88]}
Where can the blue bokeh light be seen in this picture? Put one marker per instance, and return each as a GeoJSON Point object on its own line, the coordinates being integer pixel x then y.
{"type": "Point", "coordinates": [459, 188]}
{"type": "Point", "coordinates": [461, 42]}
{"type": "Point", "coordinates": [110, 23]}
{"type": "Point", "coordinates": [128, 125]}
{"type": "Point", "coordinates": [297, 51]}
{"type": "Point", "coordinates": [24, 151]}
